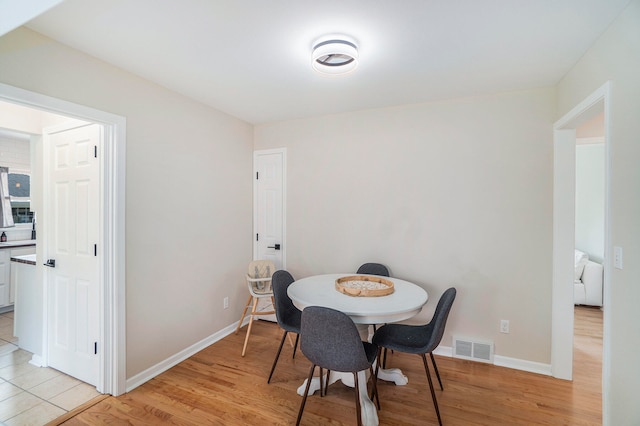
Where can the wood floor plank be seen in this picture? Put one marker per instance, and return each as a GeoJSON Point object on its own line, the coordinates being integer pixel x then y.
{"type": "Point", "coordinates": [219, 387]}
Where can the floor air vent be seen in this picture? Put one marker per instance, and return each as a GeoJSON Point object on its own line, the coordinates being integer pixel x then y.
{"type": "Point", "coordinates": [474, 350]}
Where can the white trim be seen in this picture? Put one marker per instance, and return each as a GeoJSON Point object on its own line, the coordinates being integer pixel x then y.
{"type": "Point", "coordinates": [177, 358]}
{"type": "Point", "coordinates": [522, 364]}
{"type": "Point", "coordinates": [283, 152]}
{"type": "Point", "coordinates": [444, 351]}
{"type": "Point", "coordinates": [563, 238]}
{"type": "Point", "coordinates": [504, 361]}
{"type": "Point", "coordinates": [575, 117]}
{"type": "Point", "coordinates": [564, 159]}
{"type": "Point", "coordinates": [172, 361]}
{"type": "Point", "coordinates": [37, 361]}
{"type": "Point", "coordinates": [113, 373]}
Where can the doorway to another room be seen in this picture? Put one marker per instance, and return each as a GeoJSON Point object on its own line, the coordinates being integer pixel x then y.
{"type": "Point", "coordinates": [583, 325]}
{"type": "Point", "coordinates": [589, 246]}
{"type": "Point", "coordinates": [104, 248]}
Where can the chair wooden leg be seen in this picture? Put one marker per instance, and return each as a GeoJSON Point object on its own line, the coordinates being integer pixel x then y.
{"type": "Point", "coordinates": [306, 392]}
{"type": "Point", "coordinates": [358, 409]}
{"type": "Point", "coordinates": [433, 393]}
{"type": "Point", "coordinates": [275, 361]}
{"type": "Point", "coordinates": [322, 390]}
{"type": "Point", "coordinates": [246, 339]}
{"type": "Point", "coordinates": [435, 367]}
{"type": "Point", "coordinates": [246, 306]}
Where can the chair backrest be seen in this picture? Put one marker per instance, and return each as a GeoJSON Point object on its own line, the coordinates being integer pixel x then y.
{"type": "Point", "coordinates": [287, 314]}
{"type": "Point", "coordinates": [373, 269]}
{"type": "Point", "coordinates": [330, 339]}
{"type": "Point", "coordinates": [439, 320]}
{"type": "Point", "coordinates": [261, 269]}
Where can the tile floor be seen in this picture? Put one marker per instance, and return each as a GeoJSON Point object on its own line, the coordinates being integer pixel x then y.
{"type": "Point", "coordinates": [31, 395]}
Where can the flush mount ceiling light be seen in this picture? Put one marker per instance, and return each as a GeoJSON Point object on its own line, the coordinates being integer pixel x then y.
{"type": "Point", "coordinates": [334, 56]}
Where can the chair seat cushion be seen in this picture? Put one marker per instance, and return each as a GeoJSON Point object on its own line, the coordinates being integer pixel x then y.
{"type": "Point", "coordinates": [403, 338]}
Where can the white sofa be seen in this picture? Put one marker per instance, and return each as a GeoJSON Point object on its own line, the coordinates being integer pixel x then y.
{"type": "Point", "coordinates": [587, 285]}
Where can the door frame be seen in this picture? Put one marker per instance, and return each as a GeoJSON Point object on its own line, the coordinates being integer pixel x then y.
{"type": "Point", "coordinates": [564, 236]}
{"type": "Point", "coordinates": [256, 154]}
{"type": "Point", "coordinates": [112, 374]}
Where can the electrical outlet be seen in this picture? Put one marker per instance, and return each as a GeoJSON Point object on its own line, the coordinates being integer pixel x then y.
{"type": "Point", "coordinates": [504, 326]}
{"type": "Point", "coordinates": [225, 302]}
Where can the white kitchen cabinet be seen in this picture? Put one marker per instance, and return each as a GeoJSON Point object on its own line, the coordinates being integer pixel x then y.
{"type": "Point", "coordinates": [18, 251]}
{"type": "Point", "coordinates": [7, 291]}
{"type": "Point", "coordinates": [28, 314]}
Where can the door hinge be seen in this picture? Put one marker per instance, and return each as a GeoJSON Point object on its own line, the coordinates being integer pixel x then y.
{"type": "Point", "coordinates": [95, 151]}
{"type": "Point", "coordinates": [95, 348]}
{"type": "Point", "coordinates": [256, 237]}
{"type": "Point", "coordinates": [95, 249]}
{"type": "Point", "coordinates": [257, 175]}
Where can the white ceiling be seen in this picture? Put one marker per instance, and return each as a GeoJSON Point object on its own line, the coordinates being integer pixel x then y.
{"type": "Point", "coordinates": [251, 58]}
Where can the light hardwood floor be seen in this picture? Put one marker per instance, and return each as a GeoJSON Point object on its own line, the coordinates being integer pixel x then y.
{"type": "Point", "coordinates": [217, 386]}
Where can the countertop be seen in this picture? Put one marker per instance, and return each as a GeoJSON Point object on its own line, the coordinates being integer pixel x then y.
{"type": "Point", "coordinates": [19, 243]}
{"type": "Point", "coordinates": [29, 259]}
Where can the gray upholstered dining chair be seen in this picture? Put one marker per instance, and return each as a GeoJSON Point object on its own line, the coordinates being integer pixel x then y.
{"type": "Point", "coordinates": [419, 339]}
{"type": "Point", "coordinates": [289, 317]}
{"type": "Point", "coordinates": [330, 339]}
{"type": "Point", "coordinates": [373, 269]}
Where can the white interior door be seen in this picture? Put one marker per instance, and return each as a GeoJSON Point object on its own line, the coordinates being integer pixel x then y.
{"type": "Point", "coordinates": [73, 218]}
{"type": "Point", "coordinates": [269, 206]}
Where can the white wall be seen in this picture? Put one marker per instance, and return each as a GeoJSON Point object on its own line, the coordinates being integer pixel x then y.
{"type": "Point", "coordinates": [182, 260]}
{"type": "Point", "coordinates": [448, 193]}
{"type": "Point", "coordinates": [590, 200]}
{"type": "Point", "coordinates": [616, 57]}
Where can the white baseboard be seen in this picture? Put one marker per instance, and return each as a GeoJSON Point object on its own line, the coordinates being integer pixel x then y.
{"type": "Point", "coordinates": [163, 366]}
{"type": "Point", "coordinates": [37, 361]}
{"type": "Point", "coordinates": [505, 361]}
{"type": "Point", "coordinates": [522, 364]}
{"type": "Point", "coordinates": [444, 351]}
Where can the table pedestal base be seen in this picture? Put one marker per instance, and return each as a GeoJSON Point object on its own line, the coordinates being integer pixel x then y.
{"type": "Point", "coordinates": [368, 408]}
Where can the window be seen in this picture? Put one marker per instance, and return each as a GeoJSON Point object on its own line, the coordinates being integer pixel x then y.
{"type": "Point", "coordinates": [20, 192]}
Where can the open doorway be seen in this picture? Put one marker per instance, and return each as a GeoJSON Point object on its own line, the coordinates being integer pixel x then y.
{"type": "Point", "coordinates": [111, 330]}
{"type": "Point", "coordinates": [589, 250]}
{"type": "Point", "coordinates": [590, 236]}
{"type": "Point", "coordinates": [564, 231]}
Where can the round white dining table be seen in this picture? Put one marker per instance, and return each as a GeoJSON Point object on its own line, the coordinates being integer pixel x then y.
{"type": "Point", "coordinates": [406, 301]}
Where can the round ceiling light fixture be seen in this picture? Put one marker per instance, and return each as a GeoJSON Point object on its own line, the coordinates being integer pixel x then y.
{"type": "Point", "coordinates": [334, 56]}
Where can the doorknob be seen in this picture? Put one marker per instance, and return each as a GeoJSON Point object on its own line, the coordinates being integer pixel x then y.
{"type": "Point", "coordinates": [275, 246]}
{"type": "Point", "coordinates": [51, 263]}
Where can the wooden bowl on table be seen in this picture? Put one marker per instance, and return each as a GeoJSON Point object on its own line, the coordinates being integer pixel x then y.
{"type": "Point", "coordinates": [364, 286]}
